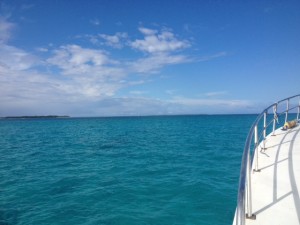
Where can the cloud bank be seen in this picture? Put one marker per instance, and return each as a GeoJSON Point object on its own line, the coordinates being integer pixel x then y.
{"type": "Point", "coordinates": [86, 81]}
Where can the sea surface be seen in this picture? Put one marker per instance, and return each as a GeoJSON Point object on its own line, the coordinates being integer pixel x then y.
{"type": "Point", "coordinates": [122, 170]}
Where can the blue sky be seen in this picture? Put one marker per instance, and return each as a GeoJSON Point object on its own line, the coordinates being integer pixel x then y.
{"type": "Point", "coordinates": [131, 57]}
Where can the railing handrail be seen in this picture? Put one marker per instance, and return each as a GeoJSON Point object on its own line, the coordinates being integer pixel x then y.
{"type": "Point", "coordinates": [247, 158]}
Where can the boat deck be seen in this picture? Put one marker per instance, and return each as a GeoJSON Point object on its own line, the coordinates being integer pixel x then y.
{"type": "Point", "coordinates": [275, 189]}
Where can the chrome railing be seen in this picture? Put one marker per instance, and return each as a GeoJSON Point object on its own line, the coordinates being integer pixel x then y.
{"type": "Point", "coordinates": [277, 113]}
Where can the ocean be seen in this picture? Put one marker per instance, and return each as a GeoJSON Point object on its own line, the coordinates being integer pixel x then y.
{"type": "Point", "coordinates": [121, 170]}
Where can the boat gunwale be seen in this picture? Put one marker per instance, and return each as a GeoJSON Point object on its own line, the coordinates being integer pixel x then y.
{"type": "Point", "coordinates": [247, 158]}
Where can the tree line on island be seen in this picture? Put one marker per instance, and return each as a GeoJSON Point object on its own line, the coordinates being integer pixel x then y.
{"type": "Point", "coordinates": [35, 117]}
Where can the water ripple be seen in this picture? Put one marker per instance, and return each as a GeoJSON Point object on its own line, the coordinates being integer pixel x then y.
{"type": "Point", "coordinates": [139, 170]}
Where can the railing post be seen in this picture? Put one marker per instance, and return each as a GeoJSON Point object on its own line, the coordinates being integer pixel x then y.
{"type": "Point", "coordinates": [265, 129]}
{"type": "Point", "coordinates": [265, 124]}
{"type": "Point", "coordinates": [255, 147]}
{"type": "Point", "coordinates": [298, 110]}
{"type": "Point", "coordinates": [255, 135]}
{"type": "Point", "coordinates": [275, 119]}
{"type": "Point", "coordinates": [244, 209]}
{"type": "Point", "coordinates": [287, 110]}
{"type": "Point", "coordinates": [249, 214]}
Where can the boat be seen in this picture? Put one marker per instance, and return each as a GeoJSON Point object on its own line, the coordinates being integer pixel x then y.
{"type": "Point", "coordinates": [269, 183]}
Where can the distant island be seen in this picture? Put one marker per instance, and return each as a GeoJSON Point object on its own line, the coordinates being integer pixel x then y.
{"type": "Point", "coordinates": [35, 117]}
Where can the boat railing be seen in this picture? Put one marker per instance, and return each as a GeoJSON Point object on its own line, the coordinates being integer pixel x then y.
{"type": "Point", "coordinates": [266, 122]}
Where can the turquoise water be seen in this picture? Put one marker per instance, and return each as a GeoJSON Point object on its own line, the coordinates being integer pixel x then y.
{"type": "Point", "coordinates": [128, 170]}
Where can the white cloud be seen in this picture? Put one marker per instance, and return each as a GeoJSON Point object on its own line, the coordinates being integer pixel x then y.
{"type": "Point", "coordinates": [30, 91]}
{"type": "Point", "coordinates": [211, 57]}
{"type": "Point", "coordinates": [149, 106]}
{"type": "Point", "coordinates": [95, 22]}
{"type": "Point", "coordinates": [131, 106]}
{"type": "Point", "coordinates": [170, 92]}
{"type": "Point", "coordinates": [216, 93]}
{"type": "Point", "coordinates": [84, 81]}
{"type": "Point", "coordinates": [21, 87]}
{"type": "Point", "coordinates": [41, 49]}
{"type": "Point", "coordinates": [155, 42]}
{"type": "Point", "coordinates": [115, 41]}
{"type": "Point", "coordinates": [211, 102]}
{"type": "Point", "coordinates": [92, 72]}
{"type": "Point", "coordinates": [154, 63]}
{"type": "Point", "coordinates": [26, 7]}
{"type": "Point", "coordinates": [16, 59]}
{"type": "Point", "coordinates": [77, 55]}
{"type": "Point", "coordinates": [73, 59]}
{"type": "Point", "coordinates": [86, 75]}
{"type": "Point", "coordinates": [162, 48]}
{"type": "Point", "coordinates": [118, 40]}
{"type": "Point", "coordinates": [162, 45]}
{"type": "Point", "coordinates": [136, 92]}
{"type": "Point", "coordinates": [5, 30]}
{"type": "Point", "coordinates": [147, 31]}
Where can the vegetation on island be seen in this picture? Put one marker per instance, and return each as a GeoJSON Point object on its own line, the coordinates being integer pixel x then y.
{"type": "Point", "coordinates": [35, 117]}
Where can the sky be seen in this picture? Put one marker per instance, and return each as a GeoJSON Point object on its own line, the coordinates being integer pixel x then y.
{"type": "Point", "coordinates": [138, 57]}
